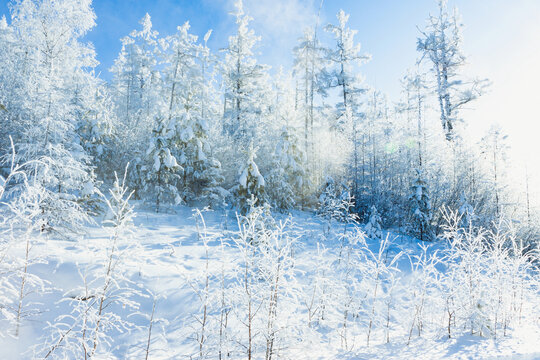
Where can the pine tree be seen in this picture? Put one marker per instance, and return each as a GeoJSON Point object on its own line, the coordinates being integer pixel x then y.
{"type": "Point", "coordinates": [135, 77]}
{"type": "Point", "coordinates": [243, 82]}
{"type": "Point", "coordinates": [160, 178]}
{"type": "Point", "coordinates": [11, 86]}
{"type": "Point", "coordinates": [54, 64]}
{"type": "Point", "coordinates": [191, 110]}
{"type": "Point", "coordinates": [286, 179]}
{"type": "Point", "coordinates": [420, 205]}
{"type": "Point", "coordinates": [250, 190]}
{"type": "Point", "coordinates": [201, 177]}
{"type": "Point", "coordinates": [136, 87]}
{"type": "Point", "coordinates": [344, 60]}
{"type": "Point", "coordinates": [97, 125]}
{"type": "Point", "coordinates": [373, 228]}
{"type": "Point", "coordinates": [180, 72]}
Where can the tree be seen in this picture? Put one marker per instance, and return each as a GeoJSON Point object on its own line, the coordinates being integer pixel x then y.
{"type": "Point", "coordinates": [201, 179]}
{"type": "Point", "coordinates": [415, 86]}
{"type": "Point", "coordinates": [308, 64]}
{"type": "Point", "coordinates": [160, 178]}
{"type": "Point", "coordinates": [420, 205]}
{"type": "Point", "coordinates": [495, 148]}
{"type": "Point", "coordinates": [243, 82]}
{"type": "Point", "coordinates": [21, 224]}
{"type": "Point", "coordinates": [441, 44]}
{"type": "Point", "coordinates": [336, 203]}
{"type": "Point", "coordinates": [344, 60]}
{"type": "Point", "coordinates": [97, 125]}
{"type": "Point", "coordinates": [54, 64]}
{"type": "Point", "coordinates": [136, 87]}
{"type": "Point", "coordinates": [373, 227]}
{"type": "Point", "coordinates": [190, 110]}
{"type": "Point", "coordinates": [250, 189]}
{"type": "Point", "coordinates": [88, 329]}
{"type": "Point", "coordinates": [286, 179]}
{"type": "Point", "coordinates": [11, 86]}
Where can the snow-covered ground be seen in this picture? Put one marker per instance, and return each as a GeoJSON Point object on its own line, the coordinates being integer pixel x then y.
{"type": "Point", "coordinates": [170, 270]}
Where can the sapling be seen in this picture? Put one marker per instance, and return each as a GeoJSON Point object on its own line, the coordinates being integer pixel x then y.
{"type": "Point", "coordinates": [264, 290]}
{"type": "Point", "coordinates": [246, 290]}
{"type": "Point", "coordinates": [87, 330]}
{"type": "Point", "coordinates": [391, 286]}
{"type": "Point", "coordinates": [316, 296]}
{"type": "Point", "coordinates": [201, 288]}
{"type": "Point", "coordinates": [373, 228]}
{"type": "Point", "coordinates": [378, 267]}
{"type": "Point", "coordinates": [423, 279]}
{"type": "Point", "coordinates": [25, 222]}
{"type": "Point", "coordinates": [276, 266]}
{"type": "Point", "coordinates": [349, 284]}
{"type": "Point", "coordinates": [19, 220]}
{"type": "Point", "coordinates": [224, 309]}
{"type": "Point", "coordinates": [153, 340]}
{"type": "Point", "coordinates": [8, 290]}
{"type": "Point", "coordinates": [348, 293]}
{"type": "Point", "coordinates": [336, 206]}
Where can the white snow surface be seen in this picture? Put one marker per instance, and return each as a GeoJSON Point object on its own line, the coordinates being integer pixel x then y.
{"type": "Point", "coordinates": [177, 254]}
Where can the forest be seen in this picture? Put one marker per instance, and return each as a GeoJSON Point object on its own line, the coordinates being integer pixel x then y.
{"type": "Point", "coordinates": [203, 205]}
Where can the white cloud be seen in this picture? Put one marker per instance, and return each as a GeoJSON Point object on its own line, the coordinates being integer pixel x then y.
{"type": "Point", "coordinates": [283, 17]}
{"type": "Point", "coordinates": [280, 23]}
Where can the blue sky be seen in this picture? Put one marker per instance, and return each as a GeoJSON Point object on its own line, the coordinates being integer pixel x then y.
{"type": "Point", "coordinates": [386, 28]}
{"type": "Point", "coordinates": [501, 39]}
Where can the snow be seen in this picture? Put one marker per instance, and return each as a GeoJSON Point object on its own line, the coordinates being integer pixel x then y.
{"type": "Point", "coordinates": [88, 189]}
{"type": "Point", "coordinates": [177, 258]}
{"type": "Point", "coordinates": [243, 178]}
{"type": "Point", "coordinates": [169, 160]}
{"type": "Point", "coordinates": [157, 163]}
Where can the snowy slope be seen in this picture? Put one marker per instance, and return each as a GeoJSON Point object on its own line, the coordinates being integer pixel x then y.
{"type": "Point", "coordinates": [172, 268]}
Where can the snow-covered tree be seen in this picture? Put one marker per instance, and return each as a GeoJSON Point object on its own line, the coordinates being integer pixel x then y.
{"type": "Point", "coordinates": [201, 179]}
{"type": "Point", "coordinates": [54, 65]}
{"type": "Point", "coordinates": [135, 86]}
{"type": "Point", "coordinates": [187, 88]}
{"type": "Point", "coordinates": [243, 82]}
{"type": "Point", "coordinates": [335, 204]}
{"type": "Point", "coordinates": [308, 64]}
{"type": "Point", "coordinates": [135, 77]}
{"type": "Point", "coordinates": [250, 190]}
{"type": "Point", "coordinates": [342, 73]}
{"type": "Point", "coordinates": [21, 233]}
{"type": "Point", "coordinates": [422, 288]}
{"type": "Point", "coordinates": [494, 150]}
{"type": "Point", "coordinates": [99, 307]}
{"type": "Point", "coordinates": [373, 227]}
{"type": "Point", "coordinates": [161, 177]}
{"type": "Point", "coordinates": [97, 125]}
{"type": "Point", "coordinates": [180, 73]}
{"type": "Point", "coordinates": [421, 212]}
{"type": "Point", "coordinates": [440, 43]}
{"type": "Point", "coordinates": [286, 179]}
{"type": "Point", "coordinates": [344, 59]}
{"type": "Point", "coordinates": [11, 86]}
{"type": "Point", "coordinates": [416, 89]}
{"type": "Point", "coordinates": [264, 291]}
